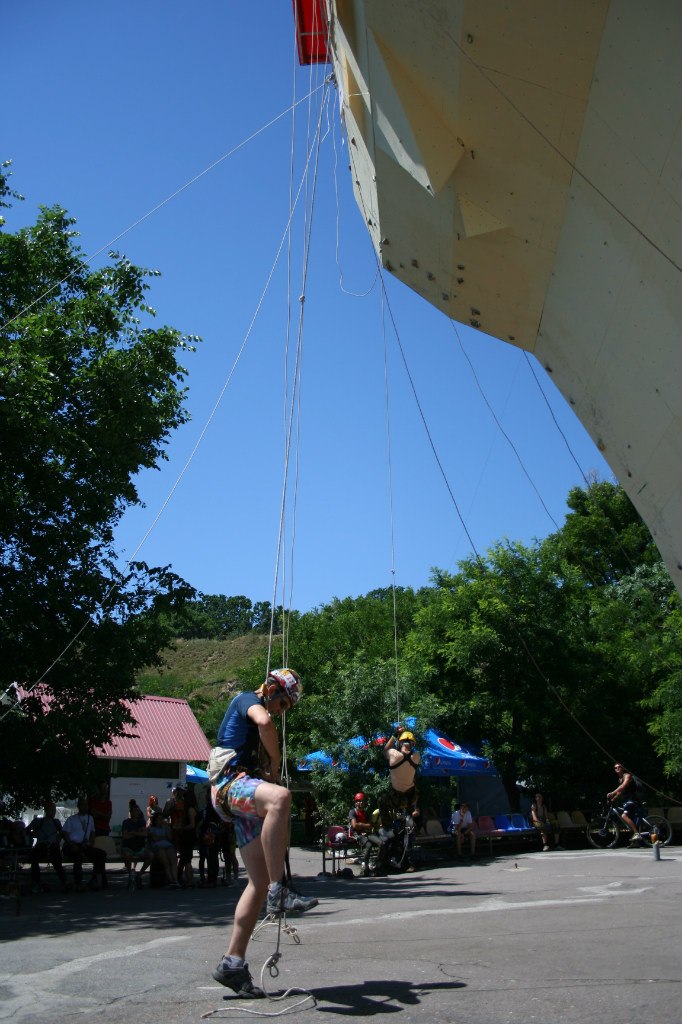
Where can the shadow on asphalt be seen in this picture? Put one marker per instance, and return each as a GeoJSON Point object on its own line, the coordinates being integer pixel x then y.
{"type": "Point", "coordinates": [368, 998]}
{"type": "Point", "coordinates": [53, 913]}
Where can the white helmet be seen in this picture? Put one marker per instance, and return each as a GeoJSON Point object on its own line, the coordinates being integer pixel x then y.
{"type": "Point", "coordinates": [289, 681]}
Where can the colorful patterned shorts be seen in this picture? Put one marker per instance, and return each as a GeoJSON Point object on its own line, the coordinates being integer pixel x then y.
{"type": "Point", "coordinates": [239, 806]}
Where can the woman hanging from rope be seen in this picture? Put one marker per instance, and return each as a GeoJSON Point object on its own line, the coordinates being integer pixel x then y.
{"type": "Point", "coordinates": [249, 795]}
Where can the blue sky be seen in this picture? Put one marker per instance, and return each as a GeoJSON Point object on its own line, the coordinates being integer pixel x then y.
{"type": "Point", "coordinates": [113, 108]}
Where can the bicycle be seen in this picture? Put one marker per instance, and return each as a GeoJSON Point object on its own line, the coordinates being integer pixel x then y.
{"type": "Point", "coordinates": [607, 825]}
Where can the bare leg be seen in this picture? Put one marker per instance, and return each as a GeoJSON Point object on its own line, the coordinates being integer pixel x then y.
{"type": "Point", "coordinates": [251, 900]}
{"type": "Point", "coordinates": [273, 804]}
{"type": "Point", "coordinates": [629, 822]}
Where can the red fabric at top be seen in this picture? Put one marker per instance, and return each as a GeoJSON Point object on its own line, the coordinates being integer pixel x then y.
{"type": "Point", "coordinates": [312, 31]}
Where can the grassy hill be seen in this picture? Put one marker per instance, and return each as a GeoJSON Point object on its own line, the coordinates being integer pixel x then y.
{"type": "Point", "coordinates": [203, 672]}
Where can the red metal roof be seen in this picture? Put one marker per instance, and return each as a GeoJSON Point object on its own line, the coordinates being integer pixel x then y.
{"type": "Point", "coordinates": [312, 31]}
{"type": "Point", "coordinates": [165, 730]}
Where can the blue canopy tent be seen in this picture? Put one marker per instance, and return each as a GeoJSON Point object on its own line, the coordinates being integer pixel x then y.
{"type": "Point", "coordinates": [441, 757]}
{"type": "Point", "coordinates": [196, 774]}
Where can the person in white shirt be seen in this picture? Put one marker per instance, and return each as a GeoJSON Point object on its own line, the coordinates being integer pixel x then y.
{"type": "Point", "coordinates": [462, 824]}
{"type": "Point", "coordinates": [80, 830]}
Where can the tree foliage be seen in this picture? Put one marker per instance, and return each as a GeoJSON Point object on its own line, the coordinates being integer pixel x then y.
{"type": "Point", "coordinates": [89, 394]}
{"type": "Point", "coordinates": [217, 617]}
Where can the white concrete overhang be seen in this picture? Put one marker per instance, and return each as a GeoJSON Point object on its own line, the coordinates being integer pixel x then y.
{"type": "Point", "coordinates": [519, 165]}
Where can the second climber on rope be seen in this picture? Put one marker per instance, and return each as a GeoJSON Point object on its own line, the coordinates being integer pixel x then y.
{"type": "Point", "coordinates": [403, 761]}
{"type": "Point", "coordinates": [248, 793]}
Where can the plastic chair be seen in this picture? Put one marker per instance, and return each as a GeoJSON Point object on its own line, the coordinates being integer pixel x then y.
{"type": "Point", "coordinates": [337, 842]}
{"type": "Point", "coordinates": [579, 819]}
{"type": "Point", "coordinates": [503, 824]}
{"type": "Point", "coordinates": [108, 844]}
{"type": "Point", "coordinates": [563, 819]}
{"type": "Point", "coordinates": [519, 822]}
{"type": "Point", "coordinates": [434, 828]}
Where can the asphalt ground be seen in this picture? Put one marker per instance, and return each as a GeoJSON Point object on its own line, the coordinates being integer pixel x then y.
{"type": "Point", "coordinates": [570, 937]}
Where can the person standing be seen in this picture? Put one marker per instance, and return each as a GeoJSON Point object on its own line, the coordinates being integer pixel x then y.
{"type": "Point", "coordinates": [539, 819]}
{"type": "Point", "coordinates": [260, 808]}
{"type": "Point", "coordinates": [186, 833]}
{"type": "Point", "coordinates": [101, 809]}
{"type": "Point", "coordinates": [152, 807]}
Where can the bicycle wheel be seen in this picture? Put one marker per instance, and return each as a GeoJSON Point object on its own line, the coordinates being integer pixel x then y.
{"type": "Point", "coordinates": [602, 832]}
{"type": "Point", "coordinates": [657, 823]}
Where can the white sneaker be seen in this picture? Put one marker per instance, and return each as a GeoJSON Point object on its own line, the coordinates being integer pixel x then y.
{"type": "Point", "coordinates": [545, 849]}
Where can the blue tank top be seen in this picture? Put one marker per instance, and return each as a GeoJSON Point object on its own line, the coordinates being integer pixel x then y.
{"type": "Point", "coordinates": [239, 732]}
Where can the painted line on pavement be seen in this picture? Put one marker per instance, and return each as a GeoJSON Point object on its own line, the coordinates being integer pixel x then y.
{"type": "Point", "coordinates": [488, 906]}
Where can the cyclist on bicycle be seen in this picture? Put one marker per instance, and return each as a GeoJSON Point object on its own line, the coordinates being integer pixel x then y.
{"type": "Point", "coordinates": [627, 791]}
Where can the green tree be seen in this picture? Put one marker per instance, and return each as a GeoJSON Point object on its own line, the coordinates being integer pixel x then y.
{"type": "Point", "coordinates": [541, 652]}
{"type": "Point", "coordinates": [603, 536]}
{"type": "Point", "coordinates": [89, 394]}
{"type": "Point", "coordinates": [488, 644]}
{"type": "Point", "coordinates": [639, 624]}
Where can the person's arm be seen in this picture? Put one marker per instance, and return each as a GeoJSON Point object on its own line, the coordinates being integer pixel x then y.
{"type": "Point", "coordinates": [390, 743]}
{"type": "Point", "coordinates": [268, 737]}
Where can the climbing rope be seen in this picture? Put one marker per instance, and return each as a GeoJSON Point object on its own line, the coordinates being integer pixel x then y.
{"type": "Point", "coordinates": [7, 708]}
{"type": "Point", "coordinates": [390, 506]}
{"type": "Point", "coordinates": [291, 407]}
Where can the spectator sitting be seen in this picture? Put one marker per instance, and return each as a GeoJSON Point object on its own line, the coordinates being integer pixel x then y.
{"type": "Point", "coordinates": [462, 825]}
{"type": "Point", "coordinates": [539, 819]}
{"type": "Point", "coordinates": [360, 828]}
{"type": "Point", "coordinates": [80, 831]}
{"type": "Point", "coordinates": [48, 834]}
{"type": "Point", "coordinates": [133, 843]}
{"type": "Point", "coordinates": [159, 846]}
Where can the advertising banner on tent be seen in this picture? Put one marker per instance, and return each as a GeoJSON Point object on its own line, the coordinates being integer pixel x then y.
{"type": "Point", "coordinates": [441, 757]}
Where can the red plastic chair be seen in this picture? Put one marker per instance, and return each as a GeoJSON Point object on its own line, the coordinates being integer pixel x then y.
{"type": "Point", "coordinates": [337, 843]}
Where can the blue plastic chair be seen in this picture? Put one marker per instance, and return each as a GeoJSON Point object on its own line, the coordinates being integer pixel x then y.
{"type": "Point", "coordinates": [519, 822]}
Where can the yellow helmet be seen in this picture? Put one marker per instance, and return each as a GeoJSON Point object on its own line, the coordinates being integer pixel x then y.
{"type": "Point", "coordinates": [406, 735]}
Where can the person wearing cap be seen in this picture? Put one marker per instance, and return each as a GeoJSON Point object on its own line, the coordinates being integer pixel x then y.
{"type": "Point", "coordinates": [245, 790]}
